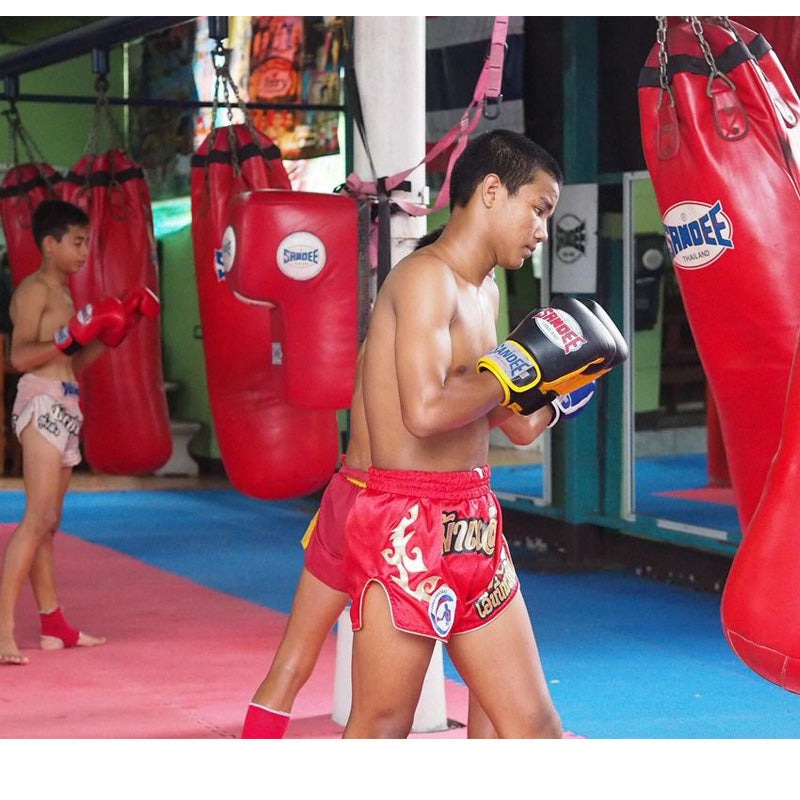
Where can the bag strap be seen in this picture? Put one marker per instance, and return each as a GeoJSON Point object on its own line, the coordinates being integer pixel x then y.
{"type": "Point", "coordinates": [487, 97]}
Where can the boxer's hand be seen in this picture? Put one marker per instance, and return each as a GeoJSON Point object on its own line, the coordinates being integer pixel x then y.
{"type": "Point", "coordinates": [103, 320]}
{"type": "Point", "coordinates": [142, 301]}
{"type": "Point", "coordinates": [554, 351]}
{"type": "Point", "coordinates": [570, 405]}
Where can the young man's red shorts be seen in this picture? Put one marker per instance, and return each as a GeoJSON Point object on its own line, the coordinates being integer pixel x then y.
{"type": "Point", "coordinates": [324, 538]}
{"type": "Point", "coordinates": [434, 542]}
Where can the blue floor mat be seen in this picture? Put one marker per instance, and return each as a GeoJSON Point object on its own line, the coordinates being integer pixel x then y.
{"type": "Point", "coordinates": [626, 657]}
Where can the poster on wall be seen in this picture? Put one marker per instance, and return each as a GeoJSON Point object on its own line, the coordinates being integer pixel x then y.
{"type": "Point", "coordinates": [573, 240]}
{"type": "Point", "coordinates": [288, 61]}
{"type": "Point", "coordinates": [162, 135]}
{"type": "Point", "coordinates": [295, 61]}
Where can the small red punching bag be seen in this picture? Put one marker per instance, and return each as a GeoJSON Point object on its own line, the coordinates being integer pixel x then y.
{"type": "Point", "coordinates": [126, 429]}
{"type": "Point", "coordinates": [761, 601]}
{"type": "Point", "coordinates": [298, 252]}
{"type": "Point", "coordinates": [720, 127]}
{"type": "Point", "coordinates": [26, 183]}
{"type": "Point", "coordinates": [270, 449]}
{"type": "Point", "coordinates": [23, 188]}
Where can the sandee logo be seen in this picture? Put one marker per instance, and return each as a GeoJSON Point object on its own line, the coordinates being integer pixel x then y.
{"type": "Point", "coordinates": [301, 256]}
{"type": "Point", "coordinates": [516, 363]}
{"type": "Point", "coordinates": [560, 328]}
{"type": "Point", "coordinates": [311, 256]}
{"type": "Point", "coordinates": [697, 233]}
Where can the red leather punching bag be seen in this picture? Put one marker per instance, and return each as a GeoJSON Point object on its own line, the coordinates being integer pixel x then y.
{"type": "Point", "coordinates": [298, 252]}
{"type": "Point", "coordinates": [760, 601]}
{"type": "Point", "coordinates": [126, 429]}
{"type": "Point", "coordinates": [722, 149]}
{"type": "Point", "coordinates": [23, 188]}
{"type": "Point", "coordinates": [270, 449]}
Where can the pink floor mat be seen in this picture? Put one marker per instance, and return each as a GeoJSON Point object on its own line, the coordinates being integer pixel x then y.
{"type": "Point", "coordinates": [181, 661]}
{"type": "Point", "coordinates": [710, 494]}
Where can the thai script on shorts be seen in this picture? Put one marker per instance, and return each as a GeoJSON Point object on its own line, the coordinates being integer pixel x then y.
{"type": "Point", "coordinates": [58, 418]}
{"type": "Point", "coordinates": [500, 589]}
{"type": "Point", "coordinates": [469, 535]}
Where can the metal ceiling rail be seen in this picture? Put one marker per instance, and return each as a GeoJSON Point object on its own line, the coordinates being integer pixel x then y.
{"type": "Point", "coordinates": [101, 34]}
{"type": "Point", "coordinates": [160, 102]}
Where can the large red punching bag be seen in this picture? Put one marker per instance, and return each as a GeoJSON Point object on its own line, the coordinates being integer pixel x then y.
{"type": "Point", "coordinates": [298, 253]}
{"type": "Point", "coordinates": [760, 601]}
{"type": "Point", "coordinates": [270, 449]}
{"type": "Point", "coordinates": [126, 429]}
{"type": "Point", "coordinates": [720, 126]}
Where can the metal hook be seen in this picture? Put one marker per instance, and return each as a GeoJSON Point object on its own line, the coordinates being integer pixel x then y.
{"type": "Point", "coordinates": [218, 29]}
{"type": "Point", "coordinates": [12, 87]}
{"type": "Point", "coordinates": [100, 61]}
{"type": "Point", "coordinates": [496, 103]}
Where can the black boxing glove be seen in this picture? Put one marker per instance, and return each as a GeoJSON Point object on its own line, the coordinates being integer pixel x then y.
{"type": "Point", "coordinates": [554, 351]}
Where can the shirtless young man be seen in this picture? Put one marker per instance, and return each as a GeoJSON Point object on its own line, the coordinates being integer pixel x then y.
{"type": "Point", "coordinates": [425, 552]}
{"type": "Point", "coordinates": [321, 593]}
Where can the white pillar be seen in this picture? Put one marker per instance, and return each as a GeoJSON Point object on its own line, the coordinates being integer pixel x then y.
{"type": "Point", "coordinates": [390, 70]}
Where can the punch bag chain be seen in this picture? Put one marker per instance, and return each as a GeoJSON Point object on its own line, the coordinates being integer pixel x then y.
{"type": "Point", "coordinates": [781, 106]}
{"type": "Point", "coordinates": [102, 113]}
{"type": "Point", "coordinates": [18, 135]}
{"type": "Point", "coordinates": [224, 81]}
{"type": "Point", "coordinates": [730, 118]}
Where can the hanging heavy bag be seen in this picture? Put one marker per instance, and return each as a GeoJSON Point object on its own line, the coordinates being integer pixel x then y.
{"type": "Point", "coordinates": [126, 428]}
{"type": "Point", "coordinates": [24, 186]}
{"type": "Point", "coordinates": [760, 606]}
{"type": "Point", "coordinates": [719, 125]}
{"type": "Point", "coordinates": [297, 252]}
{"type": "Point", "coordinates": [270, 449]}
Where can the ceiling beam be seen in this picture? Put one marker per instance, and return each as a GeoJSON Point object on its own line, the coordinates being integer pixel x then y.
{"type": "Point", "coordinates": [102, 34]}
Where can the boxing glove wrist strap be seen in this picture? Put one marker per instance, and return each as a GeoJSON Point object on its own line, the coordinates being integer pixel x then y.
{"type": "Point", "coordinates": [65, 342]}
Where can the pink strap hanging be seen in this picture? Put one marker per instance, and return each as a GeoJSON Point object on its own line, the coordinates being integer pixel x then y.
{"type": "Point", "coordinates": [487, 93]}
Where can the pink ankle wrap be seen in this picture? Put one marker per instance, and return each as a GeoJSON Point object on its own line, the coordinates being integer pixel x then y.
{"type": "Point", "coordinates": [54, 624]}
{"type": "Point", "coordinates": [263, 723]}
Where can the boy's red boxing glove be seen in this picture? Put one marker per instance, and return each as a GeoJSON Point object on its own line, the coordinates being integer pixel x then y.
{"type": "Point", "coordinates": [105, 320]}
{"type": "Point", "coordinates": [141, 301]}
{"type": "Point", "coordinates": [137, 302]}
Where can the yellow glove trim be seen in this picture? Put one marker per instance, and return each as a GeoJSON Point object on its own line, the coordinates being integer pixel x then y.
{"type": "Point", "coordinates": [492, 362]}
{"type": "Point", "coordinates": [487, 364]}
{"type": "Point", "coordinates": [574, 380]}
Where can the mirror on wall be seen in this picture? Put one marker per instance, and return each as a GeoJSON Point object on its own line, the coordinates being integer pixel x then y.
{"type": "Point", "coordinates": [675, 460]}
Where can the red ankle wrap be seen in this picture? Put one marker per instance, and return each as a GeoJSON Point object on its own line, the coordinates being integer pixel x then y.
{"type": "Point", "coordinates": [54, 624]}
{"type": "Point", "coordinates": [264, 723]}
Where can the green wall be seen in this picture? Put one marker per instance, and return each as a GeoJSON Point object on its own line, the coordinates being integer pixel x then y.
{"type": "Point", "coordinates": [184, 360]}
{"type": "Point", "coordinates": [61, 130]}
{"type": "Point", "coordinates": [647, 343]}
{"type": "Point", "coordinates": [61, 133]}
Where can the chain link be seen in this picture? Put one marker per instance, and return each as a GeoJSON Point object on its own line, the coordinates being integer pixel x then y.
{"type": "Point", "coordinates": [14, 126]}
{"type": "Point", "coordinates": [225, 84]}
{"type": "Point", "coordinates": [102, 114]}
{"type": "Point", "coordinates": [697, 29]}
{"type": "Point", "coordinates": [661, 38]}
{"type": "Point", "coordinates": [19, 135]}
{"type": "Point", "coordinates": [663, 58]}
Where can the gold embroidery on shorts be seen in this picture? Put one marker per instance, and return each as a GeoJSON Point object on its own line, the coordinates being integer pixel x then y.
{"type": "Point", "coordinates": [409, 564]}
